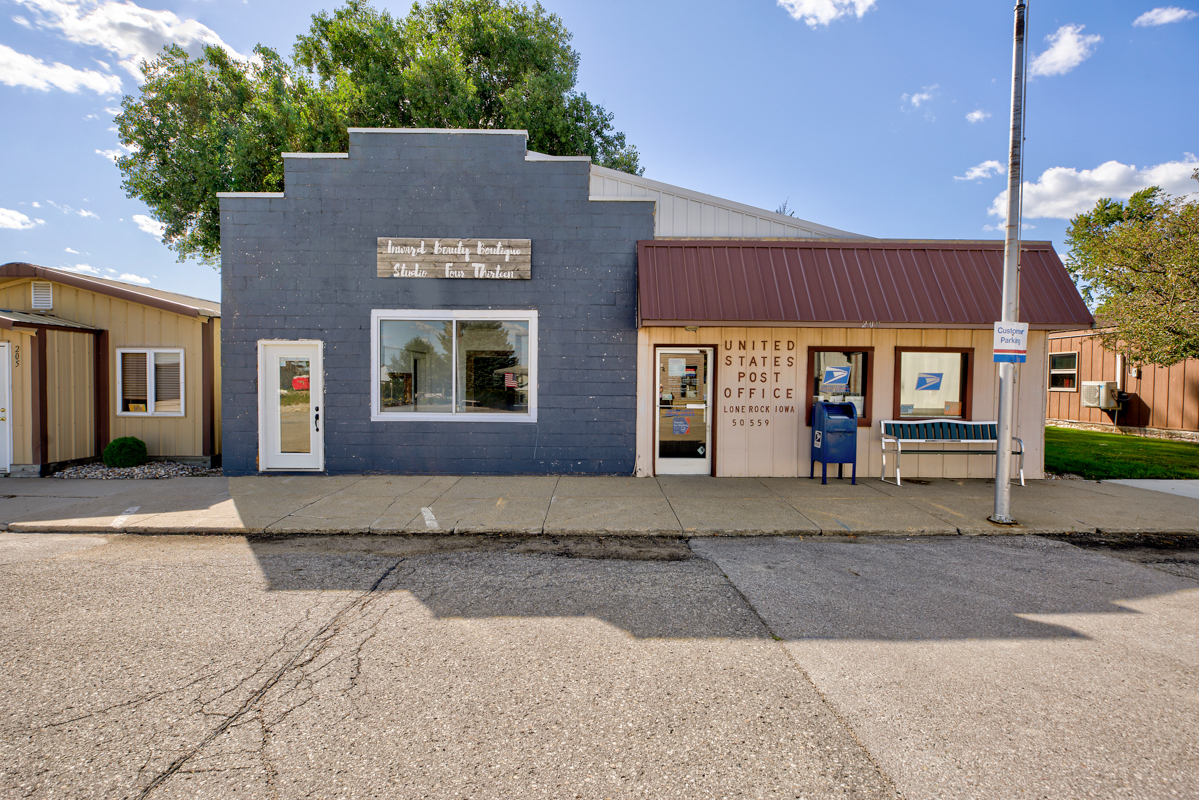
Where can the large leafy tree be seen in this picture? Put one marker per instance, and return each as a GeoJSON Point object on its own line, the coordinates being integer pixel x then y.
{"type": "Point", "coordinates": [1139, 261]}
{"type": "Point", "coordinates": [210, 123]}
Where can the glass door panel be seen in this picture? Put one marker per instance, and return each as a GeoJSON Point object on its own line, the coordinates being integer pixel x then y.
{"type": "Point", "coordinates": [295, 405]}
{"type": "Point", "coordinates": [684, 430]}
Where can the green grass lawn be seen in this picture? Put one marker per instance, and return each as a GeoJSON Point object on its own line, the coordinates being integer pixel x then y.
{"type": "Point", "coordinates": [1108, 456]}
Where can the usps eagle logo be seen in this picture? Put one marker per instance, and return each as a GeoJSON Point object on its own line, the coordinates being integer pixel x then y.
{"type": "Point", "coordinates": [928, 381]}
{"type": "Point", "coordinates": [836, 377]}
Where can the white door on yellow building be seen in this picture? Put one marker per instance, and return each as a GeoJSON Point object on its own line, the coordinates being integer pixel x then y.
{"type": "Point", "coordinates": [6, 414]}
{"type": "Point", "coordinates": [683, 440]}
{"type": "Point", "coordinates": [290, 396]}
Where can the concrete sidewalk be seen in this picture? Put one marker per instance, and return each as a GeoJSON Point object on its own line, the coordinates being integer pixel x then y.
{"type": "Point", "coordinates": [582, 506]}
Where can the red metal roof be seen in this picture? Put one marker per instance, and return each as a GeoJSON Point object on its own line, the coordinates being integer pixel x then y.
{"type": "Point", "coordinates": [823, 281]}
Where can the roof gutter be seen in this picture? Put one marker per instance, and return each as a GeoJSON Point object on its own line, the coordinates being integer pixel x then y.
{"type": "Point", "coordinates": [20, 269]}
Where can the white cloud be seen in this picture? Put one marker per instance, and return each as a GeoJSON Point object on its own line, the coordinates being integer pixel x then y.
{"type": "Point", "coordinates": [36, 204]}
{"type": "Point", "coordinates": [69, 250]}
{"type": "Point", "coordinates": [1068, 48]}
{"type": "Point", "coordinates": [149, 225]}
{"type": "Point", "coordinates": [86, 269]}
{"type": "Point", "coordinates": [18, 69]}
{"type": "Point", "coordinates": [987, 169]}
{"type": "Point", "coordinates": [977, 115]}
{"type": "Point", "coordinates": [128, 276]}
{"type": "Point", "coordinates": [16, 220]}
{"type": "Point", "coordinates": [919, 98]}
{"type": "Point", "coordinates": [126, 30]}
{"type": "Point", "coordinates": [25, 23]}
{"type": "Point", "coordinates": [1063, 192]}
{"type": "Point", "coordinates": [111, 155]}
{"type": "Point", "coordinates": [85, 213]}
{"type": "Point", "coordinates": [1163, 15]}
{"type": "Point", "coordinates": [114, 111]}
{"type": "Point", "coordinates": [822, 12]}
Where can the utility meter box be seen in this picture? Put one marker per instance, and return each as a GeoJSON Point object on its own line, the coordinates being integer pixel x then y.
{"type": "Point", "coordinates": [834, 438]}
{"type": "Point", "coordinates": [1100, 394]}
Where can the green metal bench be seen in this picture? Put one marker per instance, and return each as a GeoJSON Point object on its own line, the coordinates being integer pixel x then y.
{"type": "Point", "coordinates": [944, 432]}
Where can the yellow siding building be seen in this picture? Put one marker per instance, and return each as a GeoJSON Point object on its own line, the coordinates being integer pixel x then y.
{"type": "Point", "coordinates": [86, 360]}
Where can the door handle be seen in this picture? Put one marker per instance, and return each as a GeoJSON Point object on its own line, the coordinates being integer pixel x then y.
{"type": "Point", "coordinates": [318, 419]}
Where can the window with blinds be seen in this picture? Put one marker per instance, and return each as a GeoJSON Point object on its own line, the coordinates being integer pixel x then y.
{"type": "Point", "coordinates": [168, 383]}
{"type": "Point", "coordinates": [150, 382]}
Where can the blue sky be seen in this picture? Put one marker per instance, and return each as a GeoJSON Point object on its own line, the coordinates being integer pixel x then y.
{"type": "Point", "coordinates": [882, 117]}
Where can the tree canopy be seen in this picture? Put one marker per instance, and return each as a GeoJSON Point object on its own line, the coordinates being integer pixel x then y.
{"type": "Point", "coordinates": [211, 123]}
{"type": "Point", "coordinates": [1139, 261]}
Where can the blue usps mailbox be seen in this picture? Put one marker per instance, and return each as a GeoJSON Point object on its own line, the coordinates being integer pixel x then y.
{"type": "Point", "coordinates": [834, 438]}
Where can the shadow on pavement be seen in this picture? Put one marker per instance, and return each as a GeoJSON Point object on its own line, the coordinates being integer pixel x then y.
{"type": "Point", "coordinates": [927, 588]}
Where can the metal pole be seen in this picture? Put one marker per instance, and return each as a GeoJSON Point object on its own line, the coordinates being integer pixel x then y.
{"type": "Point", "coordinates": [1010, 311]}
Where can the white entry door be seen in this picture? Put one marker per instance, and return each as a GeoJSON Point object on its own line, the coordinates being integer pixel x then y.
{"type": "Point", "coordinates": [291, 393]}
{"type": "Point", "coordinates": [684, 419]}
{"type": "Point", "coordinates": [6, 414]}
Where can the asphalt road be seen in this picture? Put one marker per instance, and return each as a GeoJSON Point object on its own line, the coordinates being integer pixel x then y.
{"type": "Point", "coordinates": [407, 668]}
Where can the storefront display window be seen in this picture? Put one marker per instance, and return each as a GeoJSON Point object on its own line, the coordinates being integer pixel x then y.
{"type": "Point", "coordinates": [462, 366]}
{"type": "Point", "coordinates": [932, 383]}
{"type": "Point", "coordinates": [837, 375]}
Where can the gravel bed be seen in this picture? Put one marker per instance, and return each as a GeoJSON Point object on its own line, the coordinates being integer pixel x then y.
{"type": "Point", "coordinates": [150, 470]}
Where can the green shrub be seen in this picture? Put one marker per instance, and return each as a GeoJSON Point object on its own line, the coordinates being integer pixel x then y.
{"type": "Point", "coordinates": [127, 451]}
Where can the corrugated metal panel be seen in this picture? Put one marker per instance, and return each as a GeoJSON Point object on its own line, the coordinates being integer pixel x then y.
{"type": "Point", "coordinates": [682, 212]}
{"type": "Point", "coordinates": [850, 281]}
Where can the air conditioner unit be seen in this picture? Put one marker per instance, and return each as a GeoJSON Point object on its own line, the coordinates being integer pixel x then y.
{"type": "Point", "coordinates": [1100, 394]}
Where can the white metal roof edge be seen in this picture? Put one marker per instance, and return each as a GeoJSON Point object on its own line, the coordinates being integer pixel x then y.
{"type": "Point", "coordinates": [533, 155]}
{"type": "Point", "coordinates": [442, 130]}
{"type": "Point", "coordinates": [250, 194]}
{"type": "Point", "coordinates": [603, 198]}
{"type": "Point", "coordinates": [315, 155]}
{"type": "Point", "coordinates": [605, 172]}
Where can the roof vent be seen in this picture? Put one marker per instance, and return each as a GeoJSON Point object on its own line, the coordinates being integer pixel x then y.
{"type": "Point", "coordinates": [43, 296]}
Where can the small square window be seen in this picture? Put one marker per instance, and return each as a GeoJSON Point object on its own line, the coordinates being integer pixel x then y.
{"type": "Point", "coordinates": [150, 382]}
{"type": "Point", "coordinates": [837, 375]}
{"type": "Point", "coordinates": [1063, 372]}
{"type": "Point", "coordinates": [932, 383]}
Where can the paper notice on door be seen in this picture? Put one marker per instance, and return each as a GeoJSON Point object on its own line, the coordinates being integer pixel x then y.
{"type": "Point", "coordinates": [676, 367]}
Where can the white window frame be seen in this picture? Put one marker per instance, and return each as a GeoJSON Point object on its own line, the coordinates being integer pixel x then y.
{"type": "Point", "coordinates": [1053, 371]}
{"type": "Point", "coordinates": [499, 315]}
{"type": "Point", "coordinates": [150, 412]}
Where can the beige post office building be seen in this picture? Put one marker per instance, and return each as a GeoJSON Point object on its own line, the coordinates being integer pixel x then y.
{"type": "Point", "coordinates": [85, 360]}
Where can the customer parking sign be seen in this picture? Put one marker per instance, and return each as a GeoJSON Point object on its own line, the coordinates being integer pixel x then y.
{"type": "Point", "coordinates": [1011, 341]}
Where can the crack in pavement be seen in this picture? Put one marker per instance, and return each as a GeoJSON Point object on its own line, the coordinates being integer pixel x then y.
{"type": "Point", "coordinates": [302, 657]}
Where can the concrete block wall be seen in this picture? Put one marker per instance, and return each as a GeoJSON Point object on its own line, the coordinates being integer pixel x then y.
{"type": "Point", "coordinates": [303, 267]}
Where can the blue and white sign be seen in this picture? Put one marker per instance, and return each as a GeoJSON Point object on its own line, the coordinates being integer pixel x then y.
{"type": "Point", "coordinates": [681, 426]}
{"type": "Point", "coordinates": [835, 378]}
{"type": "Point", "coordinates": [1011, 342]}
{"type": "Point", "coordinates": [928, 381]}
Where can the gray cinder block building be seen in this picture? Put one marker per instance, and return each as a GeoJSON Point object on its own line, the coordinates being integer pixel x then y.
{"type": "Point", "coordinates": [430, 302]}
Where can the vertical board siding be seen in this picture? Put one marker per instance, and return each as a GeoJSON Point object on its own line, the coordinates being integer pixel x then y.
{"type": "Point", "coordinates": [1164, 398]}
{"type": "Point", "coordinates": [684, 213]}
{"type": "Point", "coordinates": [129, 325]}
{"type": "Point", "coordinates": [70, 389]}
{"type": "Point", "coordinates": [784, 450]}
{"type": "Point", "coordinates": [21, 412]}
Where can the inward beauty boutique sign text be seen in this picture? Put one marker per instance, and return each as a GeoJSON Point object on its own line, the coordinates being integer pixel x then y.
{"type": "Point", "coordinates": [497, 259]}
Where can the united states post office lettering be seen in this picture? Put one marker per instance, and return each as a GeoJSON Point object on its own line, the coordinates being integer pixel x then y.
{"type": "Point", "coordinates": [759, 380]}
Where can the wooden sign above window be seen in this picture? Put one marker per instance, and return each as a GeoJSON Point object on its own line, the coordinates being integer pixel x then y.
{"type": "Point", "coordinates": [495, 259]}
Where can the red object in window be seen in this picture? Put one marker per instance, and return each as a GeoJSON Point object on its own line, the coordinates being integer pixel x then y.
{"type": "Point", "coordinates": [300, 384]}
